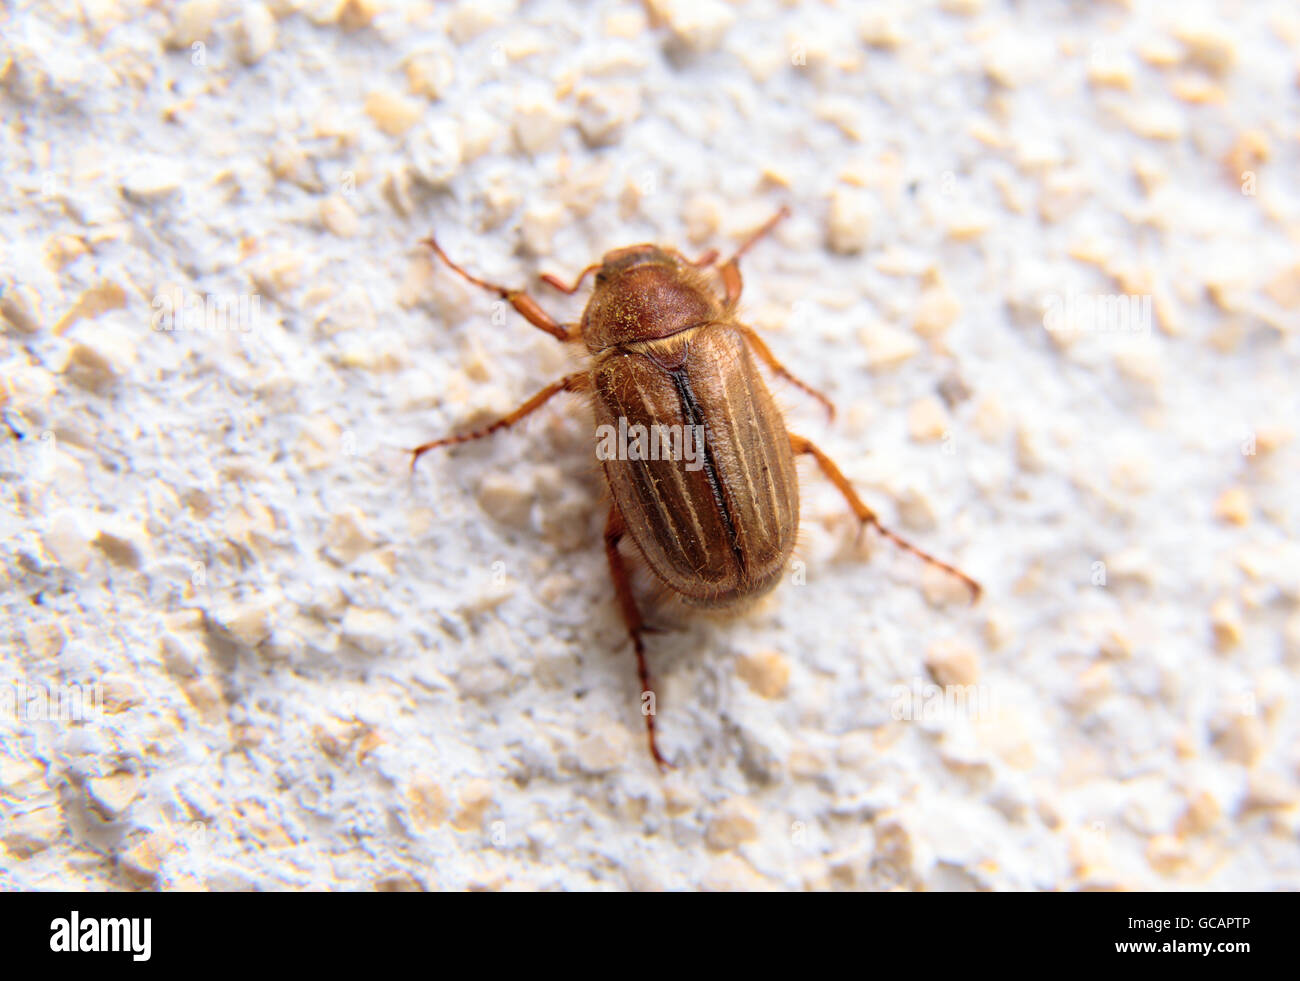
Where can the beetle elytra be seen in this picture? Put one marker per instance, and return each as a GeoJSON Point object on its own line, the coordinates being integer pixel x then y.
{"type": "Point", "coordinates": [665, 352]}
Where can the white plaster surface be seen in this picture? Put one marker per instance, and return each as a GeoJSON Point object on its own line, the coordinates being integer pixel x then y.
{"type": "Point", "coordinates": [307, 669]}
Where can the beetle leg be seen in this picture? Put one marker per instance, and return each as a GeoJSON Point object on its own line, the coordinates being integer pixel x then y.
{"type": "Point", "coordinates": [569, 383]}
{"type": "Point", "coordinates": [518, 299]}
{"type": "Point", "coordinates": [556, 282]}
{"type": "Point", "coordinates": [731, 268]}
{"type": "Point", "coordinates": [801, 445]}
{"type": "Point", "coordinates": [614, 529]}
{"type": "Point", "coordinates": [769, 359]}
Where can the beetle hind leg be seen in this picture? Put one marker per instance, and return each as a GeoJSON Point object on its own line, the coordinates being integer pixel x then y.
{"type": "Point", "coordinates": [614, 529]}
{"type": "Point", "coordinates": [800, 445]}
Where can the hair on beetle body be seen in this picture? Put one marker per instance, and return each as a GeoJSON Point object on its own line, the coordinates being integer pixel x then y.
{"type": "Point", "coordinates": [717, 525]}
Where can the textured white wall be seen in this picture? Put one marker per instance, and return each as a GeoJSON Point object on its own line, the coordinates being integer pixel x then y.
{"type": "Point", "coordinates": [314, 670]}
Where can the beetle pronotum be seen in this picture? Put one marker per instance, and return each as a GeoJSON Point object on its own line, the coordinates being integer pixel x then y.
{"type": "Point", "coordinates": [665, 350]}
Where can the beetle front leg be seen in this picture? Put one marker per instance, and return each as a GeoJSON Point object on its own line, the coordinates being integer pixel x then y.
{"type": "Point", "coordinates": [569, 383]}
{"type": "Point", "coordinates": [731, 268]}
{"type": "Point", "coordinates": [614, 529]}
{"type": "Point", "coordinates": [558, 283]}
{"type": "Point", "coordinates": [518, 299]}
{"type": "Point", "coordinates": [867, 516]}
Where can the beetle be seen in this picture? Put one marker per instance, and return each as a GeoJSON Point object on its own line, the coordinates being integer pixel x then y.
{"type": "Point", "coordinates": [664, 349]}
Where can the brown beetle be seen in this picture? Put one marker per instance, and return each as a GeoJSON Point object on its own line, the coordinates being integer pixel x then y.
{"type": "Point", "coordinates": [666, 353]}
